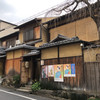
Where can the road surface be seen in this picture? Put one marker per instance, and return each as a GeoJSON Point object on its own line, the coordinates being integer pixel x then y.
{"type": "Point", "coordinates": [10, 94]}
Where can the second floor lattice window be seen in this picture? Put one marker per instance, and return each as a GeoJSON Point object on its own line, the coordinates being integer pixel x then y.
{"type": "Point", "coordinates": [31, 34]}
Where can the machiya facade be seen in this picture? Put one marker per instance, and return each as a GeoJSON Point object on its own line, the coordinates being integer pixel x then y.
{"type": "Point", "coordinates": [24, 58]}
{"type": "Point", "coordinates": [52, 50]}
{"type": "Point", "coordinates": [67, 63]}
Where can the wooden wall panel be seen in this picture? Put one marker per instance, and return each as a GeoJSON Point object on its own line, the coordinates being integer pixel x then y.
{"type": "Point", "coordinates": [12, 66]}
{"type": "Point", "coordinates": [69, 82]}
{"type": "Point", "coordinates": [70, 50]}
{"type": "Point", "coordinates": [17, 53]}
{"type": "Point", "coordinates": [92, 77]}
{"type": "Point", "coordinates": [10, 55]}
{"type": "Point", "coordinates": [37, 33]}
{"type": "Point", "coordinates": [9, 67]}
{"type": "Point", "coordinates": [49, 53]}
{"type": "Point", "coordinates": [85, 29]}
{"type": "Point", "coordinates": [17, 65]}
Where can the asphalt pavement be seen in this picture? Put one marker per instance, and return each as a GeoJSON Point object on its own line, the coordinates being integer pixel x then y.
{"type": "Point", "coordinates": [11, 94]}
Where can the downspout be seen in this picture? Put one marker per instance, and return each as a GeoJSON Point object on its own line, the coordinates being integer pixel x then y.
{"type": "Point", "coordinates": [58, 54]}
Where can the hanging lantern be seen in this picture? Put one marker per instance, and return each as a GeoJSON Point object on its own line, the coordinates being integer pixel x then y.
{"type": "Point", "coordinates": [26, 64]}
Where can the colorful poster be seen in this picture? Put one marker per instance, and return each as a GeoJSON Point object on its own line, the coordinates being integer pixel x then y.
{"type": "Point", "coordinates": [67, 70]}
{"type": "Point", "coordinates": [51, 70]}
{"type": "Point", "coordinates": [73, 70]}
{"type": "Point", "coordinates": [44, 72]}
{"type": "Point", "coordinates": [58, 73]}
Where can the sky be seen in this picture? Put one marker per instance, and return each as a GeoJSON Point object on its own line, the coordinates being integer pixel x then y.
{"type": "Point", "coordinates": [15, 11]}
{"type": "Point", "coordinates": [18, 10]}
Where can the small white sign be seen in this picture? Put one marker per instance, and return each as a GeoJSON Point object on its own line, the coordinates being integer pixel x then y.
{"type": "Point", "coordinates": [42, 62]}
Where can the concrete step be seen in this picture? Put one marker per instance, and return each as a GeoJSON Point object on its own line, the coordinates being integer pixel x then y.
{"type": "Point", "coordinates": [27, 88]}
{"type": "Point", "coordinates": [24, 90]}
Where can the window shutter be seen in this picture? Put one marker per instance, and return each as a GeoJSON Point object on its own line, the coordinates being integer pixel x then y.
{"type": "Point", "coordinates": [31, 34]}
{"type": "Point", "coordinates": [28, 35]}
{"type": "Point", "coordinates": [24, 36]}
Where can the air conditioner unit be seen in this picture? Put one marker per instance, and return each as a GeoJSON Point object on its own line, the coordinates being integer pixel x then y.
{"type": "Point", "coordinates": [17, 42]}
{"type": "Point", "coordinates": [10, 46]}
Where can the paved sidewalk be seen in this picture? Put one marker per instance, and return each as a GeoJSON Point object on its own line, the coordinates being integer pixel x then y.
{"type": "Point", "coordinates": [42, 93]}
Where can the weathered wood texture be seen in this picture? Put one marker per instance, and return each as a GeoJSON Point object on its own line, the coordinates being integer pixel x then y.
{"type": "Point", "coordinates": [12, 66]}
{"type": "Point", "coordinates": [92, 76]}
{"type": "Point", "coordinates": [24, 73]}
{"type": "Point", "coordinates": [69, 82]}
{"type": "Point", "coordinates": [2, 66]}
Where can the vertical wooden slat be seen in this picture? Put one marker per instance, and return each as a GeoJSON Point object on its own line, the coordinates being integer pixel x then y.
{"type": "Point", "coordinates": [70, 82]}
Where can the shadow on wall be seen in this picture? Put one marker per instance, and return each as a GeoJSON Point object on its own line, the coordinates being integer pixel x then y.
{"type": "Point", "coordinates": [12, 73]}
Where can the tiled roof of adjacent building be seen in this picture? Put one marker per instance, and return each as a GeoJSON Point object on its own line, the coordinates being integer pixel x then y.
{"type": "Point", "coordinates": [23, 46]}
{"type": "Point", "coordinates": [32, 53]}
{"type": "Point", "coordinates": [61, 40]}
{"type": "Point", "coordinates": [7, 29]}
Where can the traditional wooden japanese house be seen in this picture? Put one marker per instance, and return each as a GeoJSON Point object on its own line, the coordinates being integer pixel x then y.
{"type": "Point", "coordinates": [63, 51]}
{"type": "Point", "coordinates": [34, 34]}
{"type": "Point", "coordinates": [76, 24]}
{"type": "Point", "coordinates": [15, 64]}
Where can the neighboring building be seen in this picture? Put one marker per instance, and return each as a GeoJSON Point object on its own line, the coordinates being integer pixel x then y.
{"type": "Point", "coordinates": [8, 35]}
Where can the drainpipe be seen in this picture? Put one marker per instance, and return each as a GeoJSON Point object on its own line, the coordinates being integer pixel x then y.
{"type": "Point", "coordinates": [82, 48]}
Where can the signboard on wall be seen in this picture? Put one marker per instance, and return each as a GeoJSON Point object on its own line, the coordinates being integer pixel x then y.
{"type": "Point", "coordinates": [69, 70]}
{"type": "Point", "coordinates": [50, 70]}
{"type": "Point", "coordinates": [58, 73]}
{"type": "Point", "coordinates": [73, 70]}
{"type": "Point", "coordinates": [44, 72]}
{"type": "Point", "coordinates": [42, 62]}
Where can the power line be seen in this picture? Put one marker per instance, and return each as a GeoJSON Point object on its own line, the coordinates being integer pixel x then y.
{"type": "Point", "coordinates": [39, 14]}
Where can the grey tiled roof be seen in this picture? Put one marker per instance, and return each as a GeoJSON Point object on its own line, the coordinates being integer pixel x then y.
{"type": "Point", "coordinates": [60, 37]}
{"type": "Point", "coordinates": [23, 46]}
{"type": "Point", "coordinates": [2, 50]}
{"type": "Point", "coordinates": [2, 56]}
{"type": "Point", "coordinates": [32, 53]}
{"type": "Point", "coordinates": [62, 42]}
{"type": "Point", "coordinates": [33, 42]}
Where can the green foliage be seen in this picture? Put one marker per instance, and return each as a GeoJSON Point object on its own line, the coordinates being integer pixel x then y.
{"type": "Point", "coordinates": [50, 86]}
{"type": "Point", "coordinates": [16, 80]}
{"type": "Point", "coordinates": [36, 86]}
{"type": "Point", "coordinates": [94, 99]}
{"type": "Point", "coordinates": [76, 96]}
